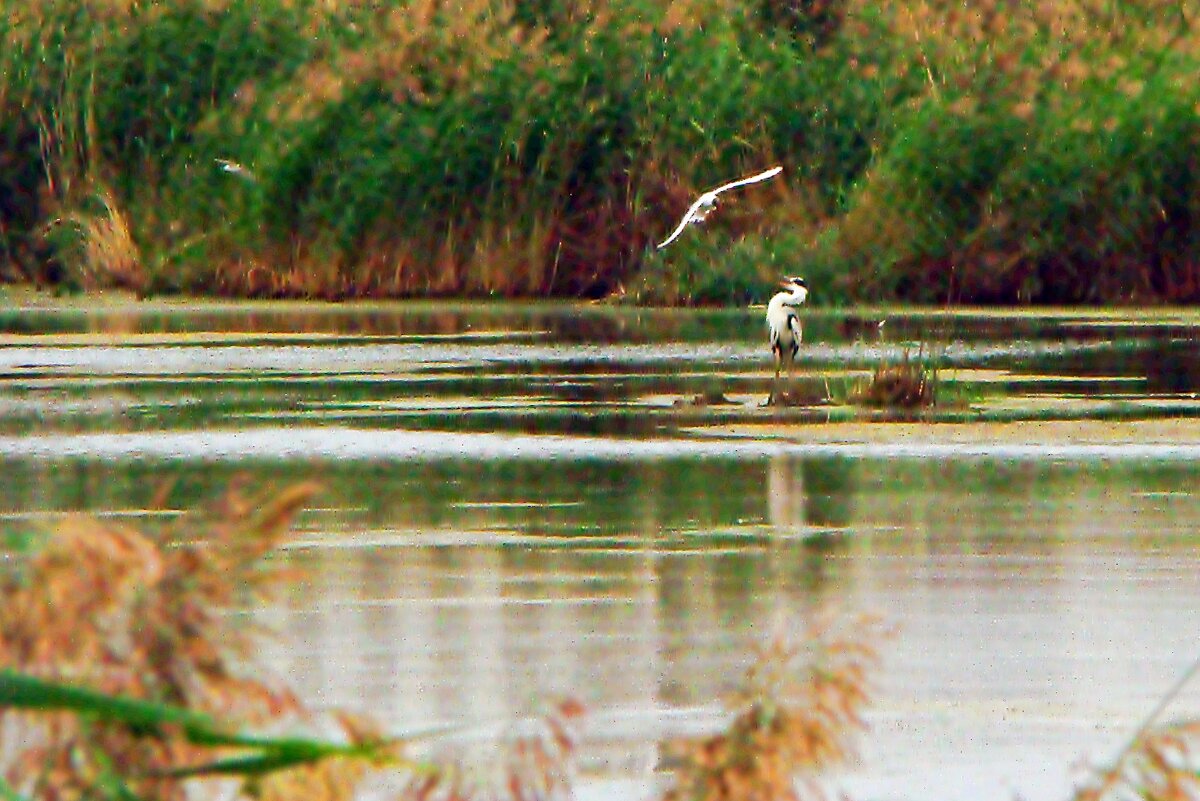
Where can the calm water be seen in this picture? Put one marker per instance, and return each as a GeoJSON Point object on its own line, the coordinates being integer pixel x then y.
{"type": "Point", "coordinates": [520, 503]}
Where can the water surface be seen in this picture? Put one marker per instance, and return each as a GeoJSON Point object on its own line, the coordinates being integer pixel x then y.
{"type": "Point", "coordinates": [524, 501]}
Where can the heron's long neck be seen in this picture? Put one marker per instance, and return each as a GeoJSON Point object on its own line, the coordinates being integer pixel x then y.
{"type": "Point", "coordinates": [785, 299]}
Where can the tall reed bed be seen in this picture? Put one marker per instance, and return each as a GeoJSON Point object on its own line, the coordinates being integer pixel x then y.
{"type": "Point", "coordinates": [1052, 158]}
{"type": "Point", "coordinates": [999, 151]}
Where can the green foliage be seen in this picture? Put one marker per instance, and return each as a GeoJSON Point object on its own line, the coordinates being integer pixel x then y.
{"type": "Point", "coordinates": [145, 718]}
{"type": "Point", "coordinates": [175, 65]}
{"type": "Point", "coordinates": [1043, 152]}
{"type": "Point", "coordinates": [714, 270]}
{"type": "Point", "coordinates": [1053, 164]}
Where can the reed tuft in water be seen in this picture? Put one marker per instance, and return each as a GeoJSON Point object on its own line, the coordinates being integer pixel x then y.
{"type": "Point", "coordinates": [908, 384]}
{"type": "Point", "coordinates": [796, 712]}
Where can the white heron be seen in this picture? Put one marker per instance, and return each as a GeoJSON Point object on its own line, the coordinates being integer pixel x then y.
{"type": "Point", "coordinates": [708, 201]}
{"type": "Point", "coordinates": [784, 325]}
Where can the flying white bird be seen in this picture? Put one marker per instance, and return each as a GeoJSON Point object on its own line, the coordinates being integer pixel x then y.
{"type": "Point", "coordinates": [784, 326]}
{"type": "Point", "coordinates": [233, 168]}
{"type": "Point", "coordinates": [708, 201]}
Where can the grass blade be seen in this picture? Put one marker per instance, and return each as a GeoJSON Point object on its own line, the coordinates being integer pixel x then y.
{"type": "Point", "coordinates": [7, 793]}
{"type": "Point", "coordinates": [28, 692]}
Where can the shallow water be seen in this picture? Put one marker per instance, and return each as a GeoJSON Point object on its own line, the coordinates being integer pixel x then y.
{"type": "Point", "coordinates": [520, 502]}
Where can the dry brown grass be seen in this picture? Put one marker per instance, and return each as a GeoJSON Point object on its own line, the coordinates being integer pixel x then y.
{"type": "Point", "coordinates": [539, 766]}
{"type": "Point", "coordinates": [797, 712]}
{"type": "Point", "coordinates": [1162, 764]}
{"type": "Point", "coordinates": [147, 616]}
{"type": "Point", "coordinates": [86, 218]}
{"type": "Point", "coordinates": [128, 613]}
{"type": "Point", "coordinates": [107, 253]}
{"type": "Point", "coordinates": [907, 385]}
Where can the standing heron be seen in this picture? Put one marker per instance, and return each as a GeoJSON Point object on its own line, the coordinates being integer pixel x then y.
{"type": "Point", "coordinates": [784, 325]}
{"type": "Point", "coordinates": [708, 201]}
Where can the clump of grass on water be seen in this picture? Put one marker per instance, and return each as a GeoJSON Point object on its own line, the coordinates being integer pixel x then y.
{"type": "Point", "coordinates": [907, 384]}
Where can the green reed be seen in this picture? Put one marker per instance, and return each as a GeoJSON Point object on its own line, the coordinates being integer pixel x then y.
{"type": "Point", "coordinates": [931, 152]}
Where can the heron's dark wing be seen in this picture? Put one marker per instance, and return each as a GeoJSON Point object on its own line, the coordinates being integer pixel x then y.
{"type": "Point", "coordinates": [794, 324]}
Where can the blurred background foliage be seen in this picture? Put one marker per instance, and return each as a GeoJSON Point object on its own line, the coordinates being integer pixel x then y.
{"type": "Point", "coordinates": [935, 151]}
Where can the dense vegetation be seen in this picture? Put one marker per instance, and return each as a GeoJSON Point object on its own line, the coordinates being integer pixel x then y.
{"type": "Point", "coordinates": [934, 150]}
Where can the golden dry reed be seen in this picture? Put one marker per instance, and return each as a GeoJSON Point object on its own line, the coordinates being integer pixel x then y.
{"type": "Point", "coordinates": [146, 616]}
{"type": "Point", "coordinates": [1163, 764]}
{"type": "Point", "coordinates": [111, 608]}
{"type": "Point", "coordinates": [797, 711]}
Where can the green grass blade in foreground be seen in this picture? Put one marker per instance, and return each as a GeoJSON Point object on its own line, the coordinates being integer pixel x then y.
{"type": "Point", "coordinates": [28, 692]}
{"type": "Point", "coordinates": [7, 793]}
{"type": "Point", "coordinates": [263, 764]}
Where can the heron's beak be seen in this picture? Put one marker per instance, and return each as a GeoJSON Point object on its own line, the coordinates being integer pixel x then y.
{"type": "Point", "coordinates": [785, 284]}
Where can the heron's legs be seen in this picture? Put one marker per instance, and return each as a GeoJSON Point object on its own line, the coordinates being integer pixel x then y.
{"type": "Point", "coordinates": [787, 362]}
{"type": "Point", "coordinates": [791, 375]}
{"type": "Point", "coordinates": [772, 399]}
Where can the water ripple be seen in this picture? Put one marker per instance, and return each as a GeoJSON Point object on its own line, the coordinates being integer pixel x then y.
{"type": "Point", "coordinates": [350, 443]}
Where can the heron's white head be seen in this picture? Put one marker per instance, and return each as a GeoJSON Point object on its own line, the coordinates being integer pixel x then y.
{"type": "Point", "coordinates": [796, 288]}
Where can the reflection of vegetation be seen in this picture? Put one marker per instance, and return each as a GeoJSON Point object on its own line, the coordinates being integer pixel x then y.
{"type": "Point", "coordinates": [830, 486]}
{"type": "Point", "coordinates": [118, 660]}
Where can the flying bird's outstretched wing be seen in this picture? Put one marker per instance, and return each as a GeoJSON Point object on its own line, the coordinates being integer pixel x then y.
{"type": "Point", "coordinates": [709, 199]}
{"type": "Point", "coordinates": [706, 199]}
{"type": "Point", "coordinates": [753, 179]}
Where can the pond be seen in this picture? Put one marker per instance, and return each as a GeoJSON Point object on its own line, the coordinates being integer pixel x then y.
{"type": "Point", "coordinates": [526, 501]}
